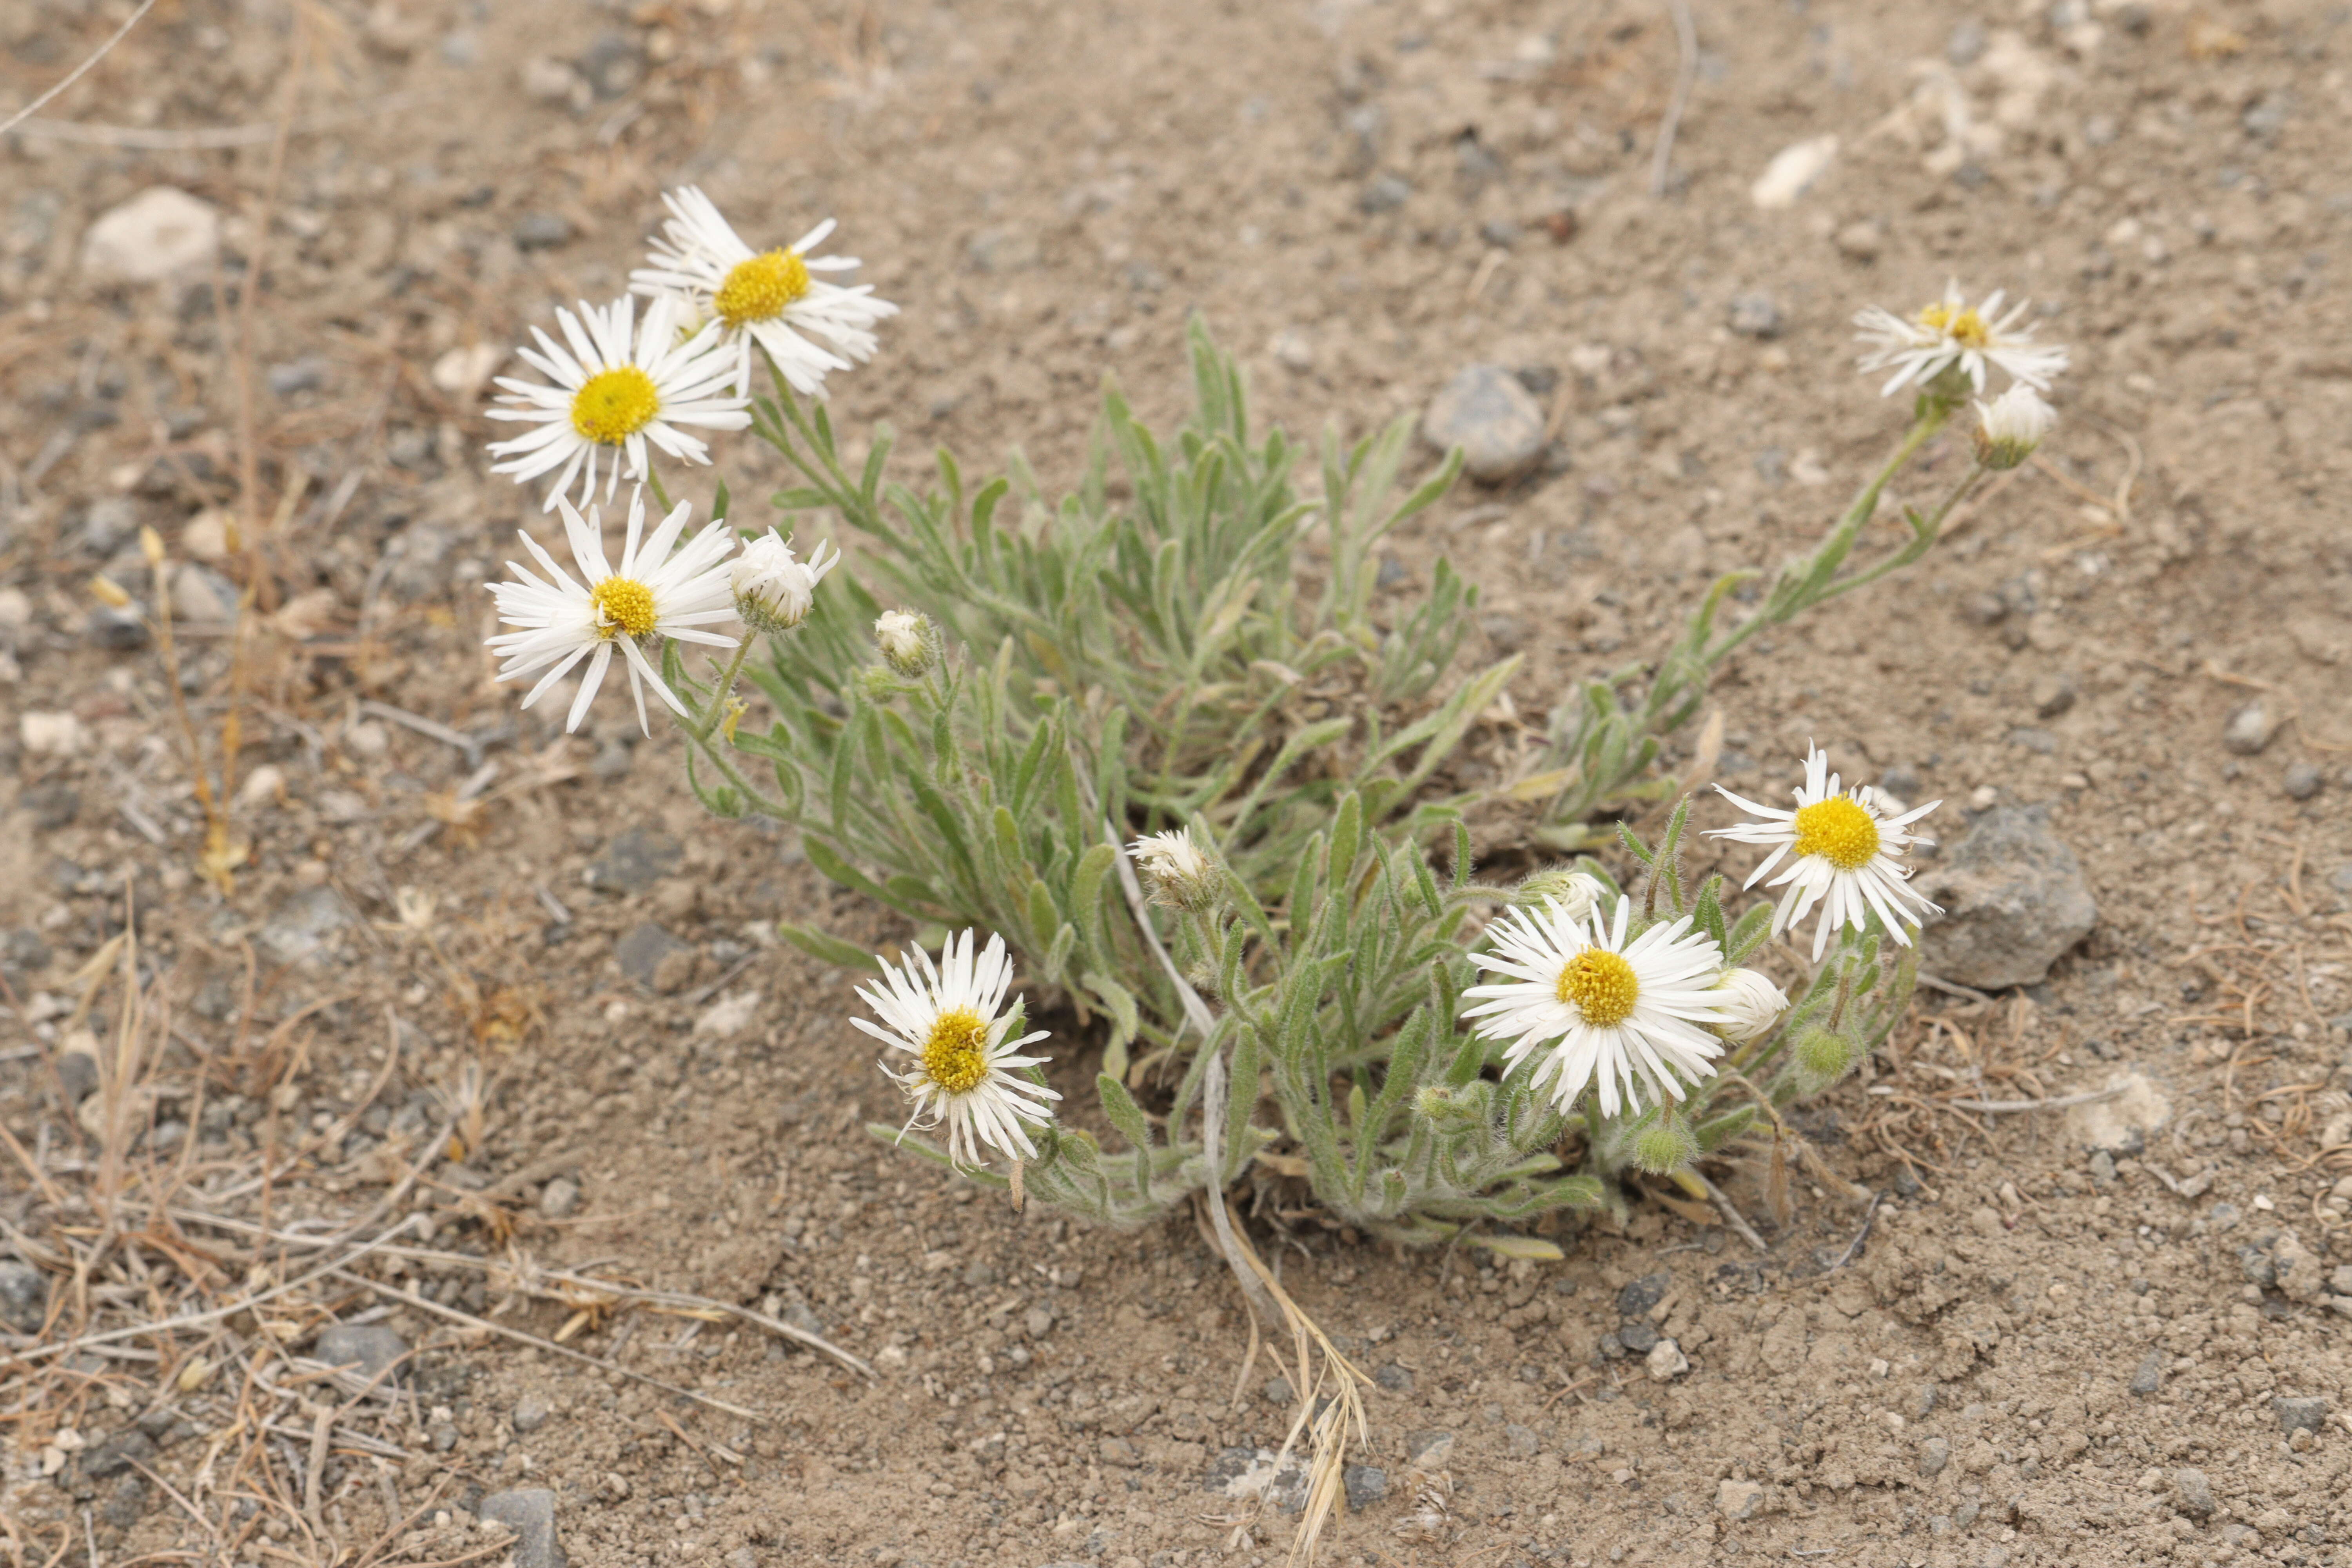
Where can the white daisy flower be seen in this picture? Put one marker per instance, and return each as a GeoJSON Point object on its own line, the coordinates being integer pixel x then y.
{"type": "Point", "coordinates": [2011, 425]}
{"type": "Point", "coordinates": [1848, 848]}
{"type": "Point", "coordinates": [1181, 875]}
{"type": "Point", "coordinates": [773, 591]}
{"type": "Point", "coordinates": [1578, 892]}
{"type": "Point", "coordinates": [771, 298]}
{"type": "Point", "coordinates": [1753, 1004]}
{"type": "Point", "coordinates": [652, 594]}
{"type": "Point", "coordinates": [1599, 1009]}
{"type": "Point", "coordinates": [1952, 334]}
{"type": "Point", "coordinates": [619, 387]}
{"type": "Point", "coordinates": [947, 1019]}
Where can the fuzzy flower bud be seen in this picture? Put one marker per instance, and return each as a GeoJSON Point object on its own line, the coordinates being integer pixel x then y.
{"type": "Point", "coordinates": [1576, 892]}
{"type": "Point", "coordinates": [905, 640]}
{"type": "Point", "coordinates": [1752, 1003]}
{"type": "Point", "coordinates": [2011, 425]}
{"type": "Point", "coordinates": [1181, 875]}
{"type": "Point", "coordinates": [1666, 1145]}
{"type": "Point", "coordinates": [773, 592]}
{"type": "Point", "coordinates": [1823, 1057]}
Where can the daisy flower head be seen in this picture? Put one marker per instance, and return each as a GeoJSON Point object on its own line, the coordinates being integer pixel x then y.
{"type": "Point", "coordinates": [905, 638]}
{"type": "Point", "coordinates": [658, 590]}
{"type": "Point", "coordinates": [1953, 339]}
{"type": "Point", "coordinates": [620, 385]}
{"type": "Point", "coordinates": [951, 1019]}
{"type": "Point", "coordinates": [2011, 425]}
{"type": "Point", "coordinates": [1846, 848]}
{"type": "Point", "coordinates": [774, 298]}
{"type": "Point", "coordinates": [1183, 876]}
{"type": "Point", "coordinates": [774, 590]}
{"type": "Point", "coordinates": [1752, 1003]}
{"type": "Point", "coordinates": [1591, 1008]}
{"type": "Point", "coordinates": [1578, 892]}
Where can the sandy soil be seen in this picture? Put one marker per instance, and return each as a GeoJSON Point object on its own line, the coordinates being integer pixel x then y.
{"type": "Point", "coordinates": [2037, 1353]}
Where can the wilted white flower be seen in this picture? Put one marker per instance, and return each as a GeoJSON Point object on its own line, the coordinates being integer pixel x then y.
{"type": "Point", "coordinates": [1578, 893]}
{"type": "Point", "coordinates": [905, 640]}
{"type": "Point", "coordinates": [1596, 1008]}
{"type": "Point", "coordinates": [2011, 425]}
{"type": "Point", "coordinates": [771, 298]}
{"type": "Point", "coordinates": [1953, 335]}
{"type": "Point", "coordinates": [1181, 875]}
{"type": "Point", "coordinates": [617, 390]}
{"type": "Point", "coordinates": [1848, 849]}
{"type": "Point", "coordinates": [655, 592]}
{"type": "Point", "coordinates": [1752, 1006]}
{"type": "Point", "coordinates": [773, 591]}
{"type": "Point", "coordinates": [949, 1018]}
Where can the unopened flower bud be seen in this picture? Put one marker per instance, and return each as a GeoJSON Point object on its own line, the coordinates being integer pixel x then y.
{"type": "Point", "coordinates": [774, 592]}
{"type": "Point", "coordinates": [1751, 1004]}
{"type": "Point", "coordinates": [2011, 425]}
{"type": "Point", "coordinates": [1181, 875]}
{"type": "Point", "coordinates": [1575, 893]}
{"type": "Point", "coordinates": [1666, 1145]}
{"type": "Point", "coordinates": [1823, 1057]}
{"type": "Point", "coordinates": [904, 639]}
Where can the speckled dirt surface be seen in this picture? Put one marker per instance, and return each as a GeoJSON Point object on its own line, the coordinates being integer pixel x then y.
{"type": "Point", "coordinates": [2033, 1356]}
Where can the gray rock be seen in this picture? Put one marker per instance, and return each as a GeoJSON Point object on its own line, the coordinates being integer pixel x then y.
{"type": "Point", "coordinates": [1636, 1299]}
{"type": "Point", "coordinates": [1366, 1484]}
{"type": "Point", "coordinates": [1521, 1441]}
{"type": "Point", "coordinates": [531, 1412]}
{"type": "Point", "coordinates": [53, 806]}
{"type": "Point", "coordinates": [2306, 1415]}
{"type": "Point", "coordinates": [2249, 729]}
{"type": "Point", "coordinates": [1399, 1379]}
{"type": "Point", "coordinates": [1277, 1391]}
{"type": "Point", "coordinates": [2302, 780]}
{"type": "Point", "coordinates": [306, 374]}
{"type": "Point", "coordinates": [1639, 1338]}
{"type": "Point", "coordinates": [2151, 1376]}
{"type": "Point", "coordinates": [542, 231]}
{"type": "Point", "coordinates": [1038, 1321]}
{"type": "Point", "coordinates": [559, 1198]}
{"type": "Point", "coordinates": [1383, 195]}
{"type": "Point", "coordinates": [1756, 315]}
{"type": "Point", "coordinates": [76, 1075]}
{"type": "Point", "coordinates": [1429, 1450]}
{"type": "Point", "coordinates": [116, 630]}
{"type": "Point", "coordinates": [979, 1273]}
{"type": "Point", "coordinates": [118, 1453]}
{"type": "Point", "coordinates": [1933, 1455]}
{"type": "Point", "coordinates": [634, 861]}
{"type": "Point", "coordinates": [1500, 232]}
{"type": "Point", "coordinates": [22, 952]}
{"type": "Point", "coordinates": [2103, 1168]}
{"type": "Point", "coordinates": [23, 1296]}
{"type": "Point", "coordinates": [2014, 900]}
{"type": "Point", "coordinates": [531, 1514]}
{"type": "Point", "coordinates": [371, 1345]}
{"type": "Point", "coordinates": [2053, 694]}
{"type": "Point", "coordinates": [108, 524]}
{"type": "Point", "coordinates": [1492, 417]}
{"type": "Point", "coordinates": [612, 64]}
{"type": "Point", "coordinates": [2193, 1494]}
{"type": "Point", "coordinates": [642, 954]}
{"type": "Point", "coordinates": [300, 927]}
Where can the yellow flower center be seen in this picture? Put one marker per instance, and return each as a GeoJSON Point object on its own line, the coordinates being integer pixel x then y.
{"type": "Point", "coordinates": [1601, 986]}
{"type": "Point", "coordinates": [614, 404]}
{"type": "Point", "coordinates": [759, 289]}
{"type": "Point", "coordinates": [1964, 327]}
{"type": "Point", "coordinates": [1838, 830]}
{"type": "Point", "coordinates": [956, 1056]}
{"type": "Point", "coordinates": [623, 605]}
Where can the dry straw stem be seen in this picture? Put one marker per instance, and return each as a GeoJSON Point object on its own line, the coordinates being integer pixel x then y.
{"type": "Point", "coordinates": [78, 71]}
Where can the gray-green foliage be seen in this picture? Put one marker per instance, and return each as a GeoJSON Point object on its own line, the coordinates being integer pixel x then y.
{"type": "Point", "coordinates": [1187, 640]}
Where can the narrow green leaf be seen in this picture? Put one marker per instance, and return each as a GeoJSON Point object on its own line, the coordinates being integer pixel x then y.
{"type": "Point", "coordinates": [829, 948]}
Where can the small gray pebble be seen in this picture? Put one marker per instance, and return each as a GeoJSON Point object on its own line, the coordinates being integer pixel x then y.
{"type": "Point", "coordinates": [2302, 780]}
{"type": "Point", "coordinates": [2192, 1494]}
{"type": "Point", "coordinates": [1639, 1338]}
{"type": "Point", "coordinates": [1488, 411]}
{"type": "Point", "coordinates": [1756, 315]}
{"type": "Point", "coordinates": [559, 1198]}
{"type": "Point", "coordinates": [530, 1512]}
{"type": "Point", "coordinates": [542, 231]}
{"type": "Point", "coordinates": [1277, 1391]}
{"type": "Point", "coordinates": [1038, 1321]}
{"type": "Point", "coordinates": [1367, 1484]}
{"type": "Point", "coordinates": [1933, 1455]}
{"type": "Point", "coordinates": [1521, 1441]}
{"type": "Point", "coordinates": [1385, 194]}
{"type": "Point", "coordinates": [1394, 1378]}
{"type": "Point", "coordinates": [1636, 1300]}
{"type": "Point", "coordinates": [2151, 1376]}
{"type": "Point", "coordinates": [531, 1412]}
{"type": "Point", "coordinates": [23, 1296]}
{"type": "Point", "coordinates": [77, 1074]}
{"type": "Point", "coordinates": [371, 1346]}
{"type": "Point", "coordinates": [2249, 729]}
{"type": "Point", "coordinates": [2308, 1414]}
